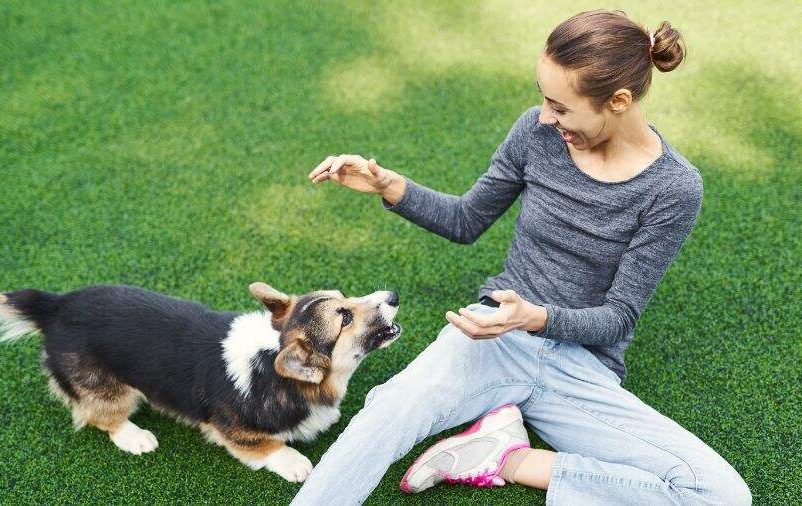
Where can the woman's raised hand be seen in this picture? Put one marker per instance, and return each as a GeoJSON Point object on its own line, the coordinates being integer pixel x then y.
{"type": "Point", "coordinates": [353, 171]}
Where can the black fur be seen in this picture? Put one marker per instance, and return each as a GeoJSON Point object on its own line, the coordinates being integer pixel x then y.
{"type": "Point", "coordinates": [168, 349]}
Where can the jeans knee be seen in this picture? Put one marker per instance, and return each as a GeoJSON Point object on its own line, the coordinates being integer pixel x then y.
{"type": "Point", "coordinates": [727, 487]}
{"type": "Point", "coordinates": [709, 479]}
{"type": "Point", "coordinates": [717, 482]}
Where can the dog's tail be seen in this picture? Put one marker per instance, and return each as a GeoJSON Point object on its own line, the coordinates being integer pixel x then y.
{"type": "Point", "coordinates": [26, 312]}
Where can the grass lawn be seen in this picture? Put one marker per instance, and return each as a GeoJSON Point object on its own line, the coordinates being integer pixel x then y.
{"type": "Point", "coordinates": [166, 145]}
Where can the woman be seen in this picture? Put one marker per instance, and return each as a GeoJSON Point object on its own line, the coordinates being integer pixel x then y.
{"type": "Point", "coordinates": [606, 204]}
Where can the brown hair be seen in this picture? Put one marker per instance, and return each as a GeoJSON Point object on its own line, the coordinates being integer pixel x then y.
{"type": "Point", "coordinates": [611, 52]}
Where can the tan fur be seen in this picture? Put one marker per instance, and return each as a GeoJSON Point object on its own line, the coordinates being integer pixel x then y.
{"type": "Point", "coordinates": [326, 392]}
{"type": "Point", "coordinates": [278, 322]}
{"type": "Point", "coordinates": [296, 349]}
{"type": "Point", "coordinates": [107, 415]}
{"type": "Point", "coordinates": [102, 402]}
{"type": "Point", "coordinates": [99, 409]}
{"type": "Point", "coordinates": [245, 445]}
{"type": "Point", "coordinates": [278, 303]}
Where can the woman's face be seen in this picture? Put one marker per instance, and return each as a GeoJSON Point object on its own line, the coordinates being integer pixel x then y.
{"type": "Point", "coordinates": [573, 115]}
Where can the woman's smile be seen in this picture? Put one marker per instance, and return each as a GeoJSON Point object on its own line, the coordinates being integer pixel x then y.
{"type": "Point", "coordinates": [568, 135]}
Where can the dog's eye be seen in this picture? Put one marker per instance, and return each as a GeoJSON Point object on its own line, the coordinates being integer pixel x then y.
{"type": "Point", "coordinates": [348, 316]}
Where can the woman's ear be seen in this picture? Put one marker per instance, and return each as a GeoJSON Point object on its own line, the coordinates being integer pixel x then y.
{"type": "Point", "coordinates": [296, 361]}
{"type": "Point", "coordinates": [620, 101]}
{"type": "Point", "coordinates": [276, 302]}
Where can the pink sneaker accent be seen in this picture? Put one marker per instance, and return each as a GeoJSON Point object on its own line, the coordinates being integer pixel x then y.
{"type": "Point", "coordinates": [502, 428]}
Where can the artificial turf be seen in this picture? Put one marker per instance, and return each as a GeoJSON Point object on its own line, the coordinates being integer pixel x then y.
{"type": "Point", "coordinates": [166, 145]}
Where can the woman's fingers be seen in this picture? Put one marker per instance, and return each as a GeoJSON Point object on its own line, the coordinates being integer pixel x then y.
{"type": "Point", "coordinates": [337, 164]}
{"type": "Point", "coordinates": [323, 176]}
{"type": "Point", "coordinates": [482, 320]}
{"type": "Point", "coordinates": [329, 168]}
{"type": "Point", "coordinates": [351, 171]}
{"type": "Point", "coordinates": [345, 161]}
{"type": "Point", "coordinates": [331, 164]}
{"type": "Point", "coordinates": [322, 167]}
{"type": "Point", "coordinates": [504, 295]}
{"type": "Point", "coordinates": [471, 329]}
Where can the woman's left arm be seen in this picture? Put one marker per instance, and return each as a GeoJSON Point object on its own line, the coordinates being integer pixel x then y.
{"type": "Point", "coordinates": [649, 254]}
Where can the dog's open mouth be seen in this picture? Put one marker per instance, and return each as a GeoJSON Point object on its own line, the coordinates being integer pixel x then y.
{"type": "Point", "coordinates": [385, 336]}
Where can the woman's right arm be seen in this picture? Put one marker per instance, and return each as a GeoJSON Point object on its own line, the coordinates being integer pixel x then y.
{"type": "Point", "coordinates": [459, 219]}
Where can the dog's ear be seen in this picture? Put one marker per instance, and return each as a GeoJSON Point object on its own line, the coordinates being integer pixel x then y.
{"type": "Point", "coordinates": [276, 302]}
{"type": "Point", "coordinates": [298, 361]}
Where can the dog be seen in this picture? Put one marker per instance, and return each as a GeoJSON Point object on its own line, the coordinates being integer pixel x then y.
{"type": "Point", "coordinates": [251, 382]}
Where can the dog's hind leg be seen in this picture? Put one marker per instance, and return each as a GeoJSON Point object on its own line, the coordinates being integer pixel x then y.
{"type": "Point", "coordinates": [258, 450]}
{"type": "Point", "coordinates": [110, 414]}
{"type": "Point", "coordinates": [98, 399]}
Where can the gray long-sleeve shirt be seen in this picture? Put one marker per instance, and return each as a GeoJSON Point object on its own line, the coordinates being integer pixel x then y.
{"type": "Point", "coordinates": [590, 252]}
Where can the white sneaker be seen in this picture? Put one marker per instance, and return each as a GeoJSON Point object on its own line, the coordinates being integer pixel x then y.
{"type": "Point", "coordinates": [473, 457]}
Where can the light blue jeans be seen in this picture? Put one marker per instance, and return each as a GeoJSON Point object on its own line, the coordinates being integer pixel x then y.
{"type": "Point", "coordinates": [612, 448]}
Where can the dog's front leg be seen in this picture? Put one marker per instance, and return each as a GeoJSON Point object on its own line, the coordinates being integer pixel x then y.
{"type": "Point", "coordinates": [258, 450]}
{"type": "Point", "coordinates": [287, 462]}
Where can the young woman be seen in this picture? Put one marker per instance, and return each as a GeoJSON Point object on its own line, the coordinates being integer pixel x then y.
{"type": "Point", "coordinates": [606, 204]}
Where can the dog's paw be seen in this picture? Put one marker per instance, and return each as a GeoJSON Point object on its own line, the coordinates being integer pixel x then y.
{"type": "Point", "coordinates": [130, 438]}
{"type": "Point", "coordinates": [289, 464]}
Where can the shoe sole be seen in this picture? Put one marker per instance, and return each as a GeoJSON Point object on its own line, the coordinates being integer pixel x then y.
{"type": "Point", "coordinates": [491, 421]}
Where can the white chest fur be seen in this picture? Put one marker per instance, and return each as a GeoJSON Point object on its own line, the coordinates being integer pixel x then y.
{"type": "Point", "coordinates": [249, 334]}
{"type": "Point", "coordinates": [320, 418]}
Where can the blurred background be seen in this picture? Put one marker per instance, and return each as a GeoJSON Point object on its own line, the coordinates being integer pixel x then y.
{"type": "Point", "coordinates": [166, 144]}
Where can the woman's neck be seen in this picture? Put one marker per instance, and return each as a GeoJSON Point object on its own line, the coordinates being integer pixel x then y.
{"type": "Point", "coordinates": [632, 138]}
{"type": "Point", "coordinates": [631, 147]}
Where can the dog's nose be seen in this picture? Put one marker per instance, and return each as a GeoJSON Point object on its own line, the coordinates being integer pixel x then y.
{"type": "Point", "coordinates": [393, 299]}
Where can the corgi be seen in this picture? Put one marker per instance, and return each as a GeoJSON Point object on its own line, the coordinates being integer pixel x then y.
{"type": "Point", "coordinates": [251, 382]}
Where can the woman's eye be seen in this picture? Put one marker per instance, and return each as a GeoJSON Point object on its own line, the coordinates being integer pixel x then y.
{"type": "Point", "coordinates": [348, 316]}
{"type": "Point", "coordinates": [558, 111]}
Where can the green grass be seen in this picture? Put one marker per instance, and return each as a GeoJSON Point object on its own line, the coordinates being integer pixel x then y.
{"type": "Point", "coordinates": [166, 144]}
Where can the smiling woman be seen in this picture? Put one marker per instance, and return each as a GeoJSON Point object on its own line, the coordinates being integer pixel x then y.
{"type": "Point", "coordinates": [588, 129]}
{"type": "Point", "coordinates": [574, 75]}
{"type": "Point", "coordinates": [606, 204]}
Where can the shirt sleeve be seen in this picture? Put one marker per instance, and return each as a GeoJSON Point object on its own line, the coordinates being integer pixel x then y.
{"type": "Point", "coordinates": [463, 219]}
{"type": "Point", "coordinates": [649, 254]}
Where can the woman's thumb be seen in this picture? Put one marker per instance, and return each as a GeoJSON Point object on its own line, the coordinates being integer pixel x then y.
{"type": "Point", "coordinates": [503, 295]}
{"type": "Point", "coordinates": [373, 167]}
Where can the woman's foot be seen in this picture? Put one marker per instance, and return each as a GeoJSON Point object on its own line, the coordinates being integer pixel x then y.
{"type": "Point", "coordinates": [474, 457]}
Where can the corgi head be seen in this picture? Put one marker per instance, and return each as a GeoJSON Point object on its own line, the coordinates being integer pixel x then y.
{"type": "Point", "coordinates": [325, 333]}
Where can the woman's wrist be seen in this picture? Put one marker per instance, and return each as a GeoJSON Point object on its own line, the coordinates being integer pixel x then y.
{"type": "Point", "coordinates": [537, 318]}
{"type": "Point", "coordinates": [395, 189]}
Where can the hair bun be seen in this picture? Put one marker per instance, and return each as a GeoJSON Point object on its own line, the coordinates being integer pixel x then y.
{"type": "Point", "coordinates": [668, 50]}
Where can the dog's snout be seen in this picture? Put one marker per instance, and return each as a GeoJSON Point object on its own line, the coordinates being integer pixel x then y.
{"type": "Point", "coordinates": [392, 299]}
